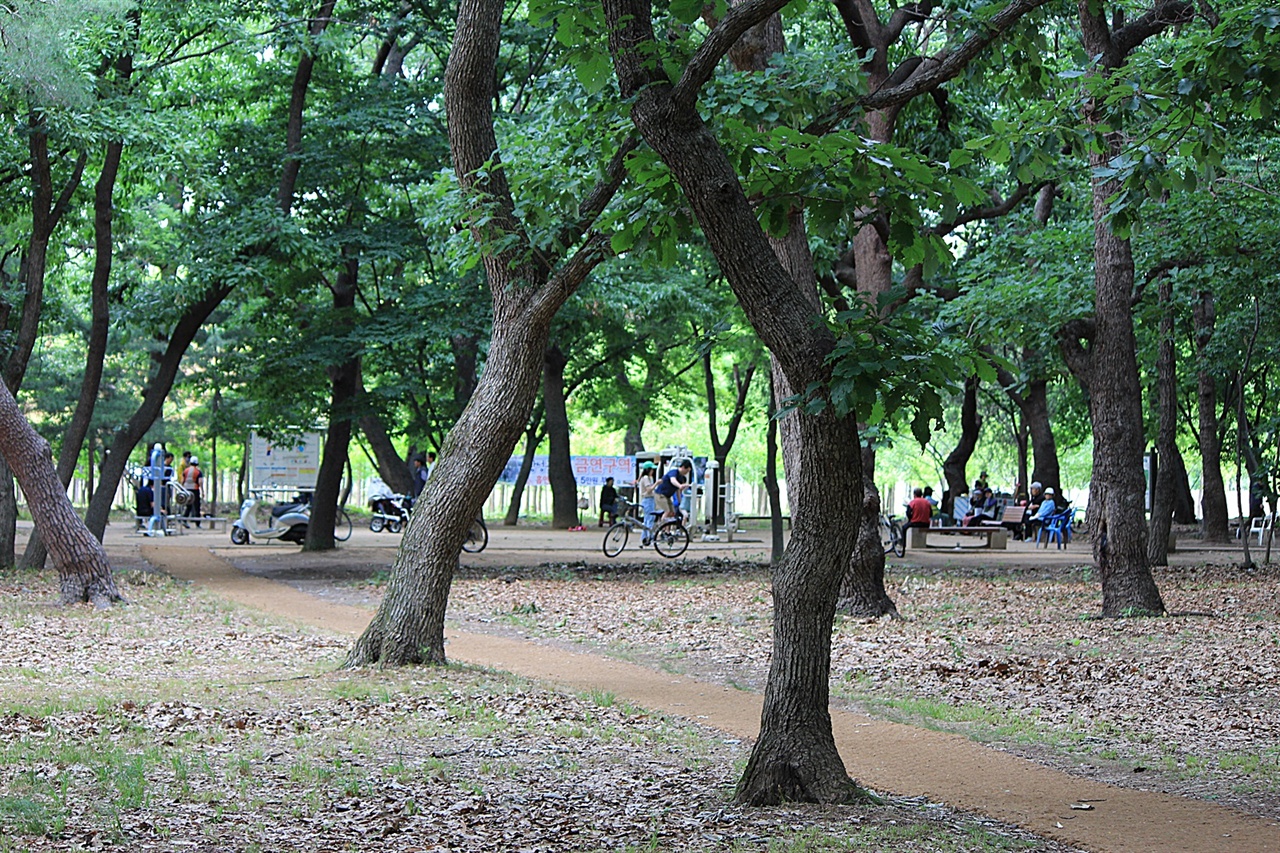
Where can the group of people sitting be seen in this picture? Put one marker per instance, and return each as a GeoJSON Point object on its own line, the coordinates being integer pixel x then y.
{"type": "Point", "coordinates": [986, 508]}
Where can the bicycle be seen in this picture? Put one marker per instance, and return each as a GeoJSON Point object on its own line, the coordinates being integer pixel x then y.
{"type": "Point", "coordinates": [671, 538]}
{"type": "Point", "coordinates": [477, 536]}
{"type": "Point", "coordinates": [892, 536]}
{"type": "Point", "coordinates": [341, 525]}
{"type": "Point", "coordinates": [615, 538]}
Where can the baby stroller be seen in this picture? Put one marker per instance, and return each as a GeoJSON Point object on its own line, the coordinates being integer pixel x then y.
{"type": "Point", "coordinates": [389, 512]}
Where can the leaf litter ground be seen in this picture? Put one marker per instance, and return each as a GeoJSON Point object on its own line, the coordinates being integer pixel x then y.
{"type": "Point", "coordinates": [180, 721]}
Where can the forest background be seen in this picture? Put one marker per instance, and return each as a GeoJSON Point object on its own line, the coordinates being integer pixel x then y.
{"type": "Point", "coordinates": [246, 214]}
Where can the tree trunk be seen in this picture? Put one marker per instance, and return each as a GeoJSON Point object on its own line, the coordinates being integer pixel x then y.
{"type": "Point", "coordinates": [466, 351]}
{"type": "Point", "coordinates": [862, 591]}
{"type": "Point", "coordinates": [564, 486]}
{"type": "Point", "coordinates": [96, 346]}
{"type": "Point", "coordinates": [1213, 503]}
{"type": "Point", "coordinates": [344, 378]}
{"type": "Point", "coordinates": [1118, 500]}
{"type": "Point", "coordinates": [409, 625]}
{"type": "Point", "coordinates": [1117, 494]}
{"type": "Point", "coordinates": [391, 468]}
{"type": "Point", "coordinates": [1166, 438]}
{"type": "Point", "coordinates": [526, 294]}
{"type": "Point", "coordinates": [8, 517]}
{"type": "Point", "coordinates": [45, 215]}
{"type": "Point", "coordinates": [1044, 448]}
{"type": "Point", "coordinates": [776, 543]}
{"type": "Point", "coordinates": [795, 756]}
{"type": "Point", "coordinates": [512, 517]}
{"type": "Point", "coordinates": [83, 570]}
{"type": "Point", "coordinates": [953, 467]}
{"type": "Point", "coordinates": [128, 436]}
{"type": "Point", "coordinates": [1184, 507]}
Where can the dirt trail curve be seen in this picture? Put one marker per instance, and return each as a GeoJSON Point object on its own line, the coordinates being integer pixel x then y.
{"type": "Point", "coordinates": [884, 756]}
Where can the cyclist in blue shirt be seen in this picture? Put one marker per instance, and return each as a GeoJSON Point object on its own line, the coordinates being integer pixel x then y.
{"type": "Point", "coordinates": [667, 493]}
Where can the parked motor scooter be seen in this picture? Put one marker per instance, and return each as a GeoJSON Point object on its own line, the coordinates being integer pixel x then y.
{"type": "Point", "coordinates": [286, 521]}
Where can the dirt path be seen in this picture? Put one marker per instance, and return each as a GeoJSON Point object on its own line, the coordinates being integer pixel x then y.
{"type": "Point", "coordinates": [884, 756]}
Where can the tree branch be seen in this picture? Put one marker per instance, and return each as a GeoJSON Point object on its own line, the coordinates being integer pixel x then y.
{"type": "Point", "coordinates": [933, 71]}
{"type": "Point", "coordinates": [717, 44]}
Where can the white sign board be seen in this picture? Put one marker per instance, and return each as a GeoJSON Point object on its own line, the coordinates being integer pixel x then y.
{"type": "Point", "coordinates": [292, 464]}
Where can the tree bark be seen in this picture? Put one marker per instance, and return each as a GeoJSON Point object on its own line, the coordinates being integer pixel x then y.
{"type": "Point", "coordinates": [1166, 438]}
{"type": "Point", "coordinates": [46, 212]}
{"type": "Point", "coordinates": [84, 572]}
{"type": "Point", "coordinates": [527, 288]}
{"type": "Point", "coordinates": [564, 486]}
{"type": "Point", "coordinates": [1117, 500]}
{"type": "Point", "coordinates": [795, 756]}
{"type": "Point", "coordinates": [1213, 504]}
{"type": "Point", "coordinates": [953, 467]}
{"type": "Point", "coordinates": [344, 380]}
{"type": "Point", "coordinates": [128, 436]}
{"type": "Point", "coordinates": [96, 349]}
{"type": "Point", "coordinates": [1044, 448]}
{"type": "Point", "coordinates": [532, 435]}
{"type": "Point", "coordinates": [391, 468]}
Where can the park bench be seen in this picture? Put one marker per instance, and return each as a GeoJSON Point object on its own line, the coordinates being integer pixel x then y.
{"type": "Point", "coordinates": [996, 537]}
{"type": "Point", "coordinates": [1010, 519]}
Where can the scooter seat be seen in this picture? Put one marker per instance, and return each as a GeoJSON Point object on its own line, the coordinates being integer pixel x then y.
{"type": "Point", "coordinates": [283, 509]}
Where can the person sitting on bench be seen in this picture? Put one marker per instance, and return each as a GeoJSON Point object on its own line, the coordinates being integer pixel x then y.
{"type": "Point", "coordinates": [919, 510]}
{"type": "Point", "coordinates": [1047, 508]}
{"type": "Point", "coordinates": [608, 502]}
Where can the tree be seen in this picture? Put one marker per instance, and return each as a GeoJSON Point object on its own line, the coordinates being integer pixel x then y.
{"type": "Point", "coordinates": [528, 283]}
{"type": "Point", "coordinates": [1117, 493]}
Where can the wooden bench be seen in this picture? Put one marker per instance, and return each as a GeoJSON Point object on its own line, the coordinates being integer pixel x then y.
{"type": "Point", "coordinates": [997, 537]}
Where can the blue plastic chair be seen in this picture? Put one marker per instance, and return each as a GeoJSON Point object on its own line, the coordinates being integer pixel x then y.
{"type": "Point", "coordinates": [1056, 528]}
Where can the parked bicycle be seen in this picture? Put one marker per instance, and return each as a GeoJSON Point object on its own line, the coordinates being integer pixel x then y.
{"type": "Point", "coordinates": [477, 536]}
{"type": "Point", "coordinates": [892, 536]}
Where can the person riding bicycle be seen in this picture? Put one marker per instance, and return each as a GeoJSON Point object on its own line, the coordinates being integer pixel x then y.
{"type": "Point", "coordinates": [667, 493]}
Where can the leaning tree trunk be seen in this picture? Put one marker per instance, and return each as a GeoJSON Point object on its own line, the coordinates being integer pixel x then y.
{"type": "Point", "coordinates": [512, 517]}
{"type": "Point", "coordinates": [564, 486]}
{"type": "Point", "coordinates": [795, 756]}
{"type": "Point", "coordinates": [1166, 437]}
{"type": "Point", "coordinates": [83, 570]}
{"type": "Point", "coordinates": [1213, 503]}
{"type": "Point", "coordinates": [391, 467]}
{"type": "Point", "coordinates": [409, 625]}
{"type": "Point", "coordinates": [527, 290]}
{"type": "Point", "coordinates": [127, 438]}
{"type": "Point", "coordinates": [8, 517]}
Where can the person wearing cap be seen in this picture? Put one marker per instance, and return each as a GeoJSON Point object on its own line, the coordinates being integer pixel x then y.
{"type": "Point", "coordinates": [192, 480]}
{"type": "Point", "coordinates": [1047, 508]}
{"type": "Point", "coordinates": [1034, 499]}
{"type": "Point", "coordinates": [644, 488]}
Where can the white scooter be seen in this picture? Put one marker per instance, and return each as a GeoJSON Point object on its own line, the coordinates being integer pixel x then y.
{"type": "Point", "coordinates": [286, 521]}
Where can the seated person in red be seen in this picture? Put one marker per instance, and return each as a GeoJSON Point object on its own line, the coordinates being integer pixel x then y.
{"type": "Point", "coordinates": [919, 510]}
